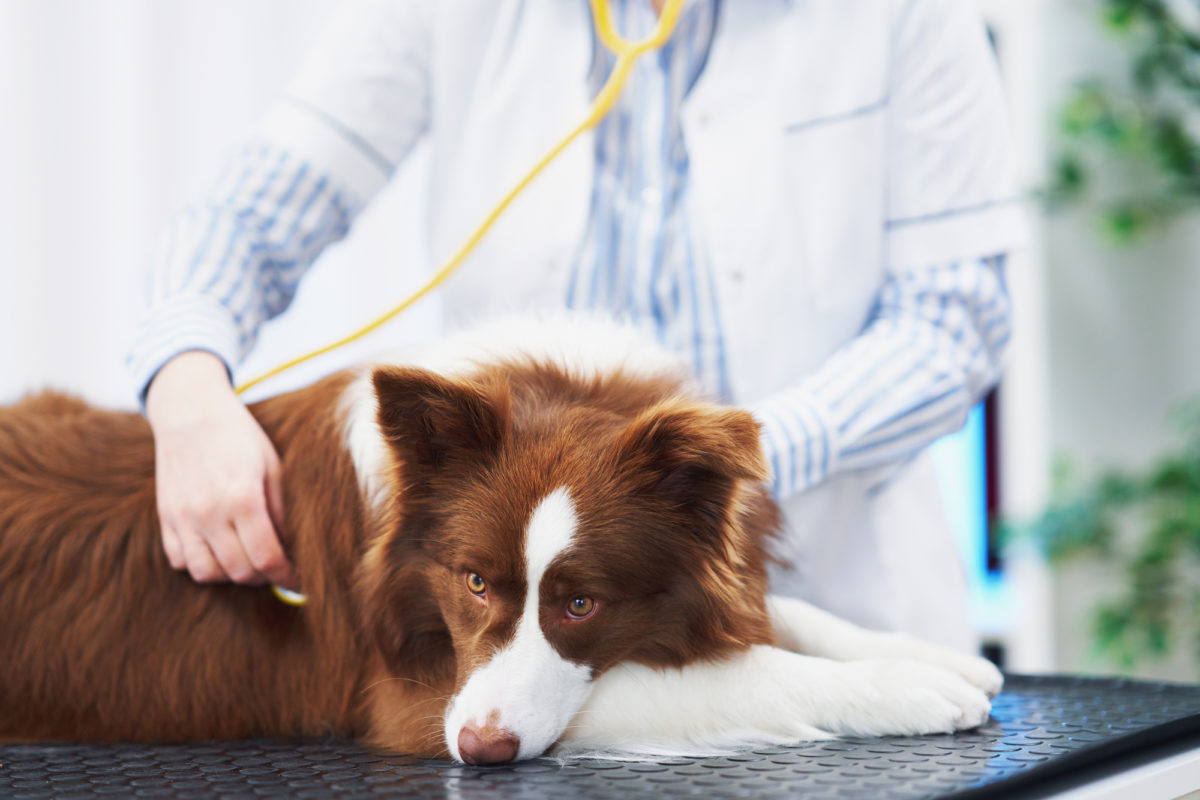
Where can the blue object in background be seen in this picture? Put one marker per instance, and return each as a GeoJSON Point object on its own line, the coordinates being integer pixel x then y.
{"type": "Point", "coordinates": [961, 462]}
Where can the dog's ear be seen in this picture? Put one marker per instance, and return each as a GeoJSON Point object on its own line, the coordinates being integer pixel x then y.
{"type": "Point", "coordinates": [692, 453]}
{"type": "Point", "coordinates": [702, 464]}
{"type": "Point", "coordinates": [431, 420]}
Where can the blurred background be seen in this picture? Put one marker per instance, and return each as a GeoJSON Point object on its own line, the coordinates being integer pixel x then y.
{"type": "Point", "coordinates": [1075, 489]}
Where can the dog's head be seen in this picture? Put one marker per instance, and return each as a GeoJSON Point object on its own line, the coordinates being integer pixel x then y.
{"type": "Point", "coordinates": [561, 526]}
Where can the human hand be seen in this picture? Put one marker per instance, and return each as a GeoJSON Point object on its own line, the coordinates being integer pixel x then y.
{"type": "Point", "coordinates": [220, 495]}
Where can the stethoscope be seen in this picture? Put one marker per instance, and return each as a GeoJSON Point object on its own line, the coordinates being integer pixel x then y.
{"type": "Point", "coordinates": [627, 53]}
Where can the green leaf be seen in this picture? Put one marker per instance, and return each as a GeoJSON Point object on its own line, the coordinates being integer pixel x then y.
{"type": "Point", "coordinates": [1116, 489]}
{"type": "Point", "coordinates": [1125, 223]}
{"type": "Point", "coordinates": [1070, 176]}
{"type": "Point", "coordinates": [1119, 16]}
{"type": "Point", "coordinates": [1085, 110]}
{"type": "Point", "coordinates": [1136, 132]}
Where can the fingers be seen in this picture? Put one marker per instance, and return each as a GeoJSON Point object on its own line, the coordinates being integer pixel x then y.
{"type": "Point", "coordinates": [213, 550]}
{"type": "Point", "coordinates": [229, 548]}
{"type": "Point", "coordinates": [187, 551]}
{"type": "Point", "coordinates": [264, 553]}
{"type": "Point", "coordinates": [173, 548]}
{"type": "Point", "coordinates": [273, 490]}
{"type": "Point", "coordinates": [199, 560]}
{"type": "Point", "coordinates": [274, 562]}
{"type": "Point", "coordinates": [245, 550]}
{"type": "Point", "coordinates": [218, 486]}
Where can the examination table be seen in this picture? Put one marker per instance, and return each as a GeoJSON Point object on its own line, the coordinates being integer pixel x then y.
{"type": "Point", "coordinates": [1050, 736]}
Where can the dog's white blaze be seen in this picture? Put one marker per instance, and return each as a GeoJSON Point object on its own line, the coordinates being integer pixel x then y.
{"type": "Point", "coordinates": [527, 688]}
{"type": "Point", "coordinates": [550, 532]}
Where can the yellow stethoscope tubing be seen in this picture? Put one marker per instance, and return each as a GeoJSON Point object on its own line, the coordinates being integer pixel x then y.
{"type": "Point", "coordinates": [627, 53]}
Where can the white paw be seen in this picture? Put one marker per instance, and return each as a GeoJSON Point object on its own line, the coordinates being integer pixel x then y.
{"type": "Point", "coordinates": [899, 697]}
{"type": "Point", "coordinates": [979, 672]}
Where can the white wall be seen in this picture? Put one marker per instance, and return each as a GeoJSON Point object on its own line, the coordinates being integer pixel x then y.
{"type": "Point", "coordinates": [1124, 330]}
{"type": "Point", "coordinates": [1122, 339]}
{"type": "Point", "coordinates": [115, 114]}
{"type": "Point", "coordinates": [1105, 342]}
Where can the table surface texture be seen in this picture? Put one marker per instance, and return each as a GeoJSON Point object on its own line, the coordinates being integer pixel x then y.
{"type": "Point", "coordinates": [1044, 730]}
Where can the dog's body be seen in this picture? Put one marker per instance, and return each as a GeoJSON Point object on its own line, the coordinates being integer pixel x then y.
{"type": "Point", "coordinates": [422, 505]}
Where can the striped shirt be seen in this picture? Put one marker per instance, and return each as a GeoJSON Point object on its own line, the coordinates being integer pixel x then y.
{"type": "Point", "coordinates": [233, 261]}
{"type": "Point", "coordinates": [930, 349]}
{"type": "Point", "coordinates": [638, 259]}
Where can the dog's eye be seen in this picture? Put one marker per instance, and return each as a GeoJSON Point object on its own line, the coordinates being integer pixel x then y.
{"type": "Point", "coordinates": [580, 607]}
{"type": "Point", "coordinates": [476, 584]}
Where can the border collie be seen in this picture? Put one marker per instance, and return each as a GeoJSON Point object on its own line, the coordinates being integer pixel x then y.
{"type": "Point", "coordinates": [535, 536]}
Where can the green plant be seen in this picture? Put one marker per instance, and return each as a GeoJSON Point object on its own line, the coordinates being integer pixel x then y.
{"type": "Point", "coordinates": [1131, 148]}
{"type": "Point", "coordinates": [1149, 521]}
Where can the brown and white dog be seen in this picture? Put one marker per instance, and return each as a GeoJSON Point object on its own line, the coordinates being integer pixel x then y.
{"type": "Point", "coordinates": [531, 536]}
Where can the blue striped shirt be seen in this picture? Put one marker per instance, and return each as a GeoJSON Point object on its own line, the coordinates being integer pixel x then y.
{"type": "Point", "coordinates": [930, 349]}
{"type": "Point", "coordinates": [638, 259]}
{"type": "Point", "coordinates": [233, 261]}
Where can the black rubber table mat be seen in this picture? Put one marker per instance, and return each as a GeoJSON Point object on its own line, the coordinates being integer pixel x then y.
{"type": "Point", "coordinates": [1043, 729]}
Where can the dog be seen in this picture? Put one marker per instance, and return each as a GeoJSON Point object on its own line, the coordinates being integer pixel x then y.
{"type": "Point", "coordinates": [535, 536]}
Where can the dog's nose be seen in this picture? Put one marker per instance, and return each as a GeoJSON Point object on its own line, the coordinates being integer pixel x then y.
{"type": "Point", "coordinates": [487, 745]}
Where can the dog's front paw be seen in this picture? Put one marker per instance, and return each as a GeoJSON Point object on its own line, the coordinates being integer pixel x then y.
{"type": "Point", "coordinates": [979, 672]}
{"type": "Point", "coordinates": [899, 697]}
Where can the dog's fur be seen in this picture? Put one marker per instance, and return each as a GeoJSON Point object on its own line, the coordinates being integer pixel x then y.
{"type": "Point", "coordinates": [570, 463]}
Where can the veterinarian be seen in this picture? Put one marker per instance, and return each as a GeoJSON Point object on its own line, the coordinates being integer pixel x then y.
{"type": "Point", "coordinates": [811, 201]}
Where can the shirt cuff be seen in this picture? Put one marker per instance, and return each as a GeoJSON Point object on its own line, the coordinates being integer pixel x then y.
{"type": "Point", "coordinates": [994, 226]}
{"type": "Point", "coordinates": [797, 439]}
{"type": "Point", "coordinates": [181, 323]}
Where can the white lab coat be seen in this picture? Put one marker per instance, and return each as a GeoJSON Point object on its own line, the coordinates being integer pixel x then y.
{"type": "Point", "coordinates": [829, 141]}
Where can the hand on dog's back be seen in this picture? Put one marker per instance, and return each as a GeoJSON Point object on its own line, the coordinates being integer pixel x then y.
{"type": "Point", "coordinates": [220, 497]}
